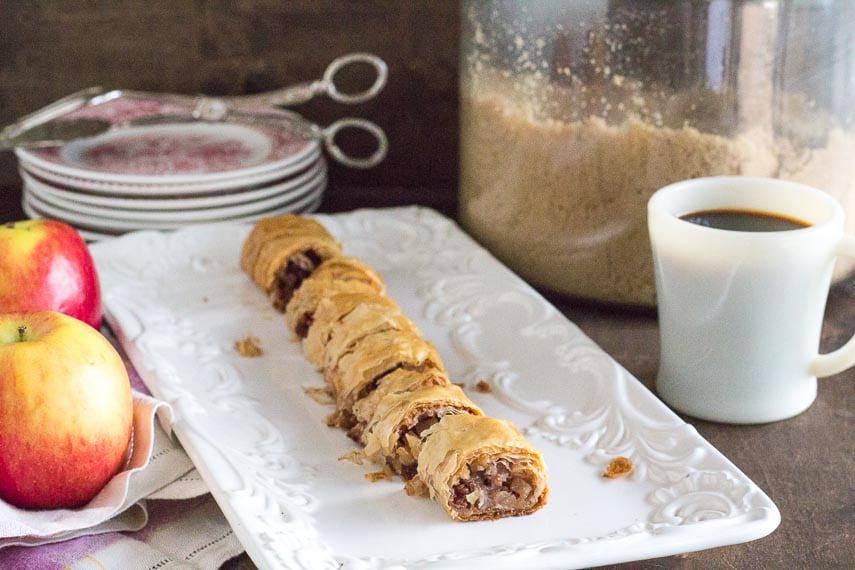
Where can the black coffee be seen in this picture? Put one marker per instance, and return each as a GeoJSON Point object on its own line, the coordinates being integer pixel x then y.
{"type": "Point", "coordinates": [744, 221]}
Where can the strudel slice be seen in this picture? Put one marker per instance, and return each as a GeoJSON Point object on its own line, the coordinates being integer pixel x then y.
{"type": "Point", "coordinates": [363, 321]}
{"type": "Point", "coordinates": [267, 229]}
{"type": "Point", "coordinates": [393, 435]}
{"type": "Point", "coordinates": [396, 382]}
{"type": "Point", "coordinates": [300, 312]}
{"type": "Point", "coordinates": [281, 252]}
{"type": "Point", "coordinates": [359, 372]}
{"type": "Point", "coordinates": [481, 468]}
{"type": "Point", "coordinates": [331, 310]}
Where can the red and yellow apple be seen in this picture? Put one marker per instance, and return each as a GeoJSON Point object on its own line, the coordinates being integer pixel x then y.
{"type": "Point", "coordinates": [66, 411]}
{"type": "Point", "coordinates": [46, 266]}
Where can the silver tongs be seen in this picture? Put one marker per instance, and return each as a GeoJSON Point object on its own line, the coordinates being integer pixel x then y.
{"type": "Point", "coordinates": [42, 129]}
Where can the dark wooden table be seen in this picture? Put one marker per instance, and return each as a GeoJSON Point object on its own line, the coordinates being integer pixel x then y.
{"type": "Point", "coordinates": [806, 464]}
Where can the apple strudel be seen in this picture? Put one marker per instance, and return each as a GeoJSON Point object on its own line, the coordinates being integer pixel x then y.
{"type": "Point", "coordinates": [394, 434]}
{"type": "Point", "coordinates": [481, 468]}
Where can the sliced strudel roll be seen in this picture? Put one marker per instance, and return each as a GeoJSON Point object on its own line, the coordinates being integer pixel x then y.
{"type": "Point", "coordinates": [363, 321]}
{"type": "Point", "coordinates": [267, 229]}
{"type": "Point", "coordinates": [393, 435]}
{"type": "Point", "coordinates": [359, 372]}
{"type": "Point", "coordinates": [331, 310]}
{"type": "Point", "coordinates": [396, 382]}
{"type": "Point", "coordinates": [481, 468]}
{"type": "Point", "coordinates": [330, 278]}
{"type": "Point", "coordinates": [281, 252]}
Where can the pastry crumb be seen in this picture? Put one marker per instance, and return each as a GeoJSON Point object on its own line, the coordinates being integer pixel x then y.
{"type": "Point", "coordinates": [383, 475]}
{"type": "Point", "coordinates": [483, 387]}
{"type": "Point", "coordinates": [204, 299]}
{"type": "Point", "coordinates": [415, 487]}
{"type": "Point", "coordinates": [618, 467]}
{"type": "Point", "coordinates": [249, 347]}
{"type": "Point", "coordinates": [321, 395]}
{"type": "Point", "coordinates": [354, 456]}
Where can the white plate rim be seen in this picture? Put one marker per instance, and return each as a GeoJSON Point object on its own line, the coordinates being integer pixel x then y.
{"type": "Point", "coordinates": [91, 223]}
{"type": "Point", "coordinates": [178, 216]}
{"type": "Point", "coordinates": [164, 187]}
{"type": "Point", "coordinates": [70, 199]}
{"type": "Point", "coordinates": [93, 236]}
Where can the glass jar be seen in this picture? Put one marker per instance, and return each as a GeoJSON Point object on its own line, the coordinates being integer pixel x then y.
{"type": "Point", "coordinates": [574, 112]}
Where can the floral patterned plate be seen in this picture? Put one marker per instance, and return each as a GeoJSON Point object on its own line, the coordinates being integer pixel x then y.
{"type": "Point", "coordinates": [168, 153]}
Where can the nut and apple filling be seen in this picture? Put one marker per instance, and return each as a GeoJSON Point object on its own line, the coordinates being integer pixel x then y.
{"type": "Point", "coordinates": [494, 486]}
{"type": "Point", "coordinates": [289, 277]}
{"type": "Point", "coordinates": [480, 468]}
{"type": "Point", "coordinates": [303, 324]}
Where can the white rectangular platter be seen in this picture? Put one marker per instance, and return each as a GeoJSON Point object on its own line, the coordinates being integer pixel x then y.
{"type": "Point", "coordinates": [178, 302]}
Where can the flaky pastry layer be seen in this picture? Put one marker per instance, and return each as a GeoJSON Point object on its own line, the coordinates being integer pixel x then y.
{"type": "Point", "coordinates": [358, 372]}
{"type": "Point", "coordinates": [329, 311]}
{"type": "Point", "coordinates": [393, 434]}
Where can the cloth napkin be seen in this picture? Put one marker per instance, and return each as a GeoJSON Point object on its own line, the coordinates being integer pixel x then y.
{"type": "Point", "coordinates": [187, 534]}
{"type": "Point", "coordinates": [156, 513]}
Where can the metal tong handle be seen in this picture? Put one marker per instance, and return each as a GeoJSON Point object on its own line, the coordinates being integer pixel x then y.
{"type": "Point", "coordinates": [209, 108]}
{"type": "Point", "coordinates": [56, 109]}
{"type": "Point", "coordinates": [215, 113]}
{"type": "Point", "coordinates": [329, 132]}
{"type": "Point", "coordinates": [303, 92]}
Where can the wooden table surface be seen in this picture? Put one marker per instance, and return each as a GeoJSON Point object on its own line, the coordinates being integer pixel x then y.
{"type": "Point", "coordinates": [805, 464]}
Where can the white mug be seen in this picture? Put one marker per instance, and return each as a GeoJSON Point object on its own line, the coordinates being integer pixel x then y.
{"type": "Point", "coordinates": [740, 312]}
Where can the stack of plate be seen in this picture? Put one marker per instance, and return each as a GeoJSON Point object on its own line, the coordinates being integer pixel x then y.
{"type": "Point", "coordinates": [170, 174]}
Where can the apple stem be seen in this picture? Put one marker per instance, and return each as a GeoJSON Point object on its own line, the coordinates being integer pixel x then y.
{"type": "Point", "coordinates": [22, 332]}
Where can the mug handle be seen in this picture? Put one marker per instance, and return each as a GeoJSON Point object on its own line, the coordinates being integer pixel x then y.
{"type": "Point", "coordinates": [844, 357]}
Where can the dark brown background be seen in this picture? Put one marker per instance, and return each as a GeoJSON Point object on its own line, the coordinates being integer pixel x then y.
{"type": "Point", "coordinates": [50, 48]}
